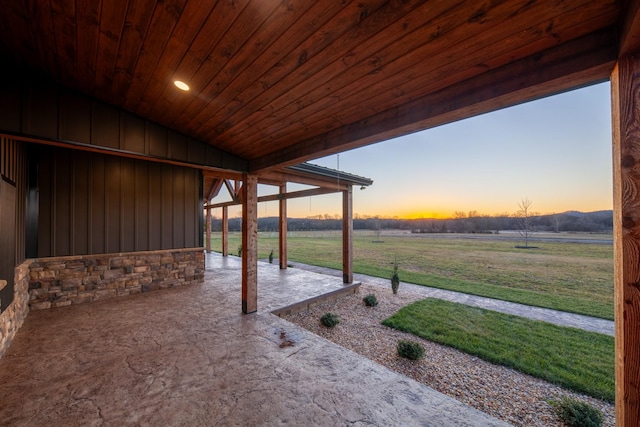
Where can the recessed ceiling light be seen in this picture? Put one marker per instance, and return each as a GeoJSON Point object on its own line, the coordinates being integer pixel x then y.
{"type": "Point", "coordinates": [181, 85]}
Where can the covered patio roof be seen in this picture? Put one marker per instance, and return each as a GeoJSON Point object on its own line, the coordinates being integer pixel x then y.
{"type": "Point", "coordinates": [326, 180]}
{"type": "Point", "coordinates": [279, 83]}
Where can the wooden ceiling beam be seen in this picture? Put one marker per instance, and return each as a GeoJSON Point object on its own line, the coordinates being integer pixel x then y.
{"type": "Point", "coordinates": [235, 189]}
{"type": "Point", "coordinates": [281, 177]}
{"type": "Point", "coordinates": [630, 28]}
{"type": "Point", "coordinates": [283, 196]}
{"type": "Point", "coordinates": [216, 186]}
{"type": "Point", "coordinates": [297, 194]}
{"type": "Point", "coordinates": [224, 174]}
{"type": "Point", "coordinates": [580, 62]}
{"type": "Point", "coordinates": [210, 171]}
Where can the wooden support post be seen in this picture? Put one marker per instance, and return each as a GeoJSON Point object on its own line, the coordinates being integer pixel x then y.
{"type": "Point", "coordinates": [282, 229]}
{"type": "Point", "coordinates": [347, 235]}
{"type": "Point", "coordinates": [225, 231]}
{"type": "Point", "coordinates": [250, 244]}
{"type": "Point", "coordinates": [208, 231]}
{"type": "Point", "coordinates": [625, 94]}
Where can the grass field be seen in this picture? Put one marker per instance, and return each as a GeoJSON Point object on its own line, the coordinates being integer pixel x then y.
{"type": "Point", "coordinates": [578, 360]}
{"type": "Point", "coordinates": [567, 276]}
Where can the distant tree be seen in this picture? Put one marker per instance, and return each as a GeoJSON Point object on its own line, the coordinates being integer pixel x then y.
{"type": "Point", "coordinates": [525, 218]}
{"type": "Point", "coordinates": [555, 220]}
{"type": "Point", "coordinates": [474, 222]}
{"type": "Point", "coordinates": [377, 225]}
{"type": "Point", "coordinates": [460, 218]}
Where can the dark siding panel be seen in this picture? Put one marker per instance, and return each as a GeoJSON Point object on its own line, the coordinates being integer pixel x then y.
{"type": "Point", "coordinates": [112, 204]}
{"type": "Point", "coordinates": [40, 112]}
{"type": "Point", "coordinates": [199, 209]}
{"type": "Point", "coordinates": [93, 203]}
{"type": "Point", "coordinates": [178, 207]}
{"type": "Point", "coordinates": [155, 206]}
{"type": "Point", "coordinates": [21, 201]}
{"type": "Point", "coordinates": [141, 205]}
{"type": "Point", "coordinates": [128, 217]}
{"type": "Point", "coordinates": [13, 188]}
{"type": "Point", "coordinates": [167, 208]}
{"type": "Point", "coordinates": [9, 153]}
{"type": "Point", "coordinates": [7, 240]}
{"type": "Point", "coordinates": [75, 118]}
{"type": "Point", "coordinates": [178, 146]}
{"type": "Point", "coordinates": [190, 208]}
{"type": "Point", "coordinates": [213, 156]}
{"type": "Point", "coordinates": [197, 151]}
{"type": "Point", "coordinates": [80, 205]}
{"type": "Point", "coordinates": [132, 133]}
{"type": "Point", "coordinates": [62, 205]}
{"type": "Point", "coordinates": [50, 111]}
{"type": "Point", "coordinates": [10, 107]}
{"type": "Point", "coordinates": [33, 202]}
{"type": "Point", "coordinates": [200, 222]}
{"type": "Point", "coordinates": [105, 125]}
{"type": "Point", "coordinates": [158, 140]}
{"type": "Point", "coordinates": [96, 208]}
{"type": "Point", "coordinates": [47, 195]}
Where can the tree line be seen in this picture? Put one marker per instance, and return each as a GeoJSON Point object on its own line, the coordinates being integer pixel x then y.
{"type": "Point", "coordinates": [471, 222]}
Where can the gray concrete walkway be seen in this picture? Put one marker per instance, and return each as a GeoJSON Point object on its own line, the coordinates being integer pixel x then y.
{"type": "Point", "coordinates": [188, 357]}
{"type": "Point", "coordinates": [561, 318]}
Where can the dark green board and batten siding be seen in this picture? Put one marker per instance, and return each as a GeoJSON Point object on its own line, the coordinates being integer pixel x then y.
{"type": "Point", "coordinates": [49, 112]}
{"type": "Point", "coordinates": [13, 188]}
{"type": "Point", "coordinates": [92, 203]}
{"type": "Point", "coordinates": [110, 201]}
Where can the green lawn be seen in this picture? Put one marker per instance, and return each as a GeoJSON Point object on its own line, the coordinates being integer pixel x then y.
{"type": "Point", "coordinates": [572, 277]}
{"type": "Point", "coordinates": [578, 360]}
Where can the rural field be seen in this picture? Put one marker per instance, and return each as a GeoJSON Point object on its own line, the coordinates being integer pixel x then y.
{"type": "Point", "coordinates": [565, 271]}
{"type": "Point", "coordinates": [571, 272]}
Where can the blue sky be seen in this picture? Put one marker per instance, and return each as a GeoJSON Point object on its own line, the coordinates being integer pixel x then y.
{"type": "Point", "coordinates": [555, 151]}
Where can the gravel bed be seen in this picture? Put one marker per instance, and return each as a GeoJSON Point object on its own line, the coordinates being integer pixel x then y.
{"type": "Point", "coordinates": [501, 392]}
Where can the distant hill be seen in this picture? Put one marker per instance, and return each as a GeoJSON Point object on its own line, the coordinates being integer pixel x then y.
{"type": "Point", "coordinates": [595, 213]}
{"type": "Point", "coordinates": [594, 222]}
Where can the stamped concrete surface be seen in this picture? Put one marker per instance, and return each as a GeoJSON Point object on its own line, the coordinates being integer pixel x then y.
{"type": "Point", "coordinates": [187, 356]}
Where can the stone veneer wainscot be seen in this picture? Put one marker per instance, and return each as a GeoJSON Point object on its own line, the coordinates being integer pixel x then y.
{"type": "Point", "coordinates": [12, 318]}
{"type": "Point", "coordinates": [62, 281]}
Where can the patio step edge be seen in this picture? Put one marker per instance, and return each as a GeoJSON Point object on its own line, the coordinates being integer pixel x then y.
{"type": "Point", "coordinates": [311, 302]}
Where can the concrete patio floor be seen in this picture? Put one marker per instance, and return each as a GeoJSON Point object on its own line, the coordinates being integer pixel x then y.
{"type": "Point", "coordinates": [187, 356]}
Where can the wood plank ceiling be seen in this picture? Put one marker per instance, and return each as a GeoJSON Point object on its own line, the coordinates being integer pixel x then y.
{"type": "Point", "coordinates": [281, 82]}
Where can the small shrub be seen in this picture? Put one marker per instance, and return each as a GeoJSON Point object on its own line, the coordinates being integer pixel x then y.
{"type": "Point", "coordinates": [330, 320]}
{"type": "Point", "coordinates": [240, 251]}
{"type": "Point", "coordinates": [395, 279]}
{"type": "Point", "coordinates": [271, 257]}
{"type": "Point", "coordinates": [410, 349]}
{"type": "Point", "coordinates": [575, 413]}
{"type": "Point", "coordinates": [370, 300]}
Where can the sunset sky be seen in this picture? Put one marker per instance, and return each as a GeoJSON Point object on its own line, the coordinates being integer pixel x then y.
{"type": "Point", "coordinates": [555, 151]}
